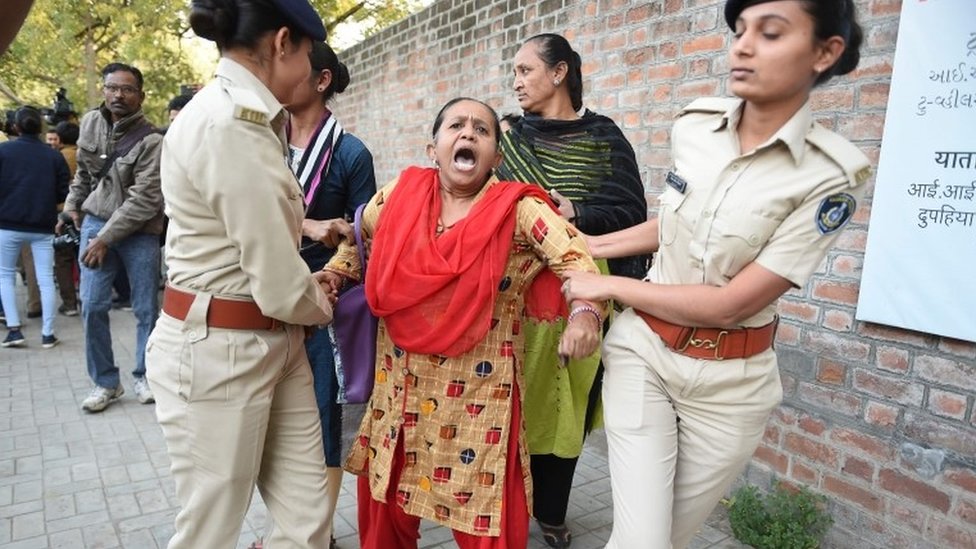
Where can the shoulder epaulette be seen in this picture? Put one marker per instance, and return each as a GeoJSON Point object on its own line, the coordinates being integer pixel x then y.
{"type": "Point", "coordinates": [711, 104]}
{"type": "Point", "coordinates": [855, 164]}
{"type": "Point", "coordinates": [248, 106]}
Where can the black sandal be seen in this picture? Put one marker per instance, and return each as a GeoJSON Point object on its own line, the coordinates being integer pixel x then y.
{"type": "Point", "coordinates": [556, 536]}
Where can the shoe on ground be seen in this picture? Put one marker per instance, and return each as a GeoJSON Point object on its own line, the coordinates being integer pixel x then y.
{"type": "Point", "coordinates": [123, 305]}
{"type": "Point", "coordinates": [143, 392]}
{"type": "Point", "coordinates": [68, 311]}
{"type": "Point", "coordinates": [49, 341]}
{"type": "Point", "coordinates": [100, 398]}
{"type": "Point", "coordinates": [33, 314]}
{"type": "Point", "coordinates": [14, 338]}
{"type": "Point", "coordinates": [558, 537]}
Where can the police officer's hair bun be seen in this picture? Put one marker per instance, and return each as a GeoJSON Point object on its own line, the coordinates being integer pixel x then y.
{"type": "Point", "coordinates": [837, 18]}
{"type": "Point", "coordinates": [554, 49]}
{"type": "Point", "coordinates": [238, 23]}
{"type": "Point", "coordinates": [215, 20]}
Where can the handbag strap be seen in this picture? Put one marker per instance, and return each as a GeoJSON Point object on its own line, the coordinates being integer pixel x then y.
{"type": "Point", "coordinates": [357, 229]}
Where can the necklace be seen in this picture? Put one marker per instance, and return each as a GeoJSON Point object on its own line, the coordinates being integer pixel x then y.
{"type": "Point", "coordinates": [441, 227]}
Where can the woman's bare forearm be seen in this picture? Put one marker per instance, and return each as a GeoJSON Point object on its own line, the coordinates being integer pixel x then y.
{"type": "Point", "coordinates": [636, 240]}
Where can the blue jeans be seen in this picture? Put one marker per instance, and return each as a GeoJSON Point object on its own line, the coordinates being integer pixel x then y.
{"type": "Point", "coordinates": [319, 350]}
{"type": "Point", "coordinates": [40, 243]}
{"type": "Point", "coordinates": [139, 254]}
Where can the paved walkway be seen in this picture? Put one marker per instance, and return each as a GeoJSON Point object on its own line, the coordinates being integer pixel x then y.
{"type": "Point", "coordinates": [76, 480]}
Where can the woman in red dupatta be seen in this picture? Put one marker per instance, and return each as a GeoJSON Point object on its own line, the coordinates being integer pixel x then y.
{"type": "Point", "coordinates": [454, 252]}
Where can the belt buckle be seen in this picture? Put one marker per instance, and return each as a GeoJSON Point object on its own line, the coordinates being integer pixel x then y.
{"type": "Point", "coordinates": [706, 344]}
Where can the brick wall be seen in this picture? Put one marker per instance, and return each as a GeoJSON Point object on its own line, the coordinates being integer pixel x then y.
{"type": "Point", "coordinates": [879, 419]}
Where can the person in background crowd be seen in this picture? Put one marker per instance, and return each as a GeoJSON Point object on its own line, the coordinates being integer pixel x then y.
{"type": "Point", "coordinates": [453, 252]}
{"type": "Point", "coordinates": [27, 259]}
{"type": "Point", "coordinates": [758, 193]}
{"type": "Point", "coordinates": [66, 258]}
{"type": "Point", "coordinates": [587, 165]}
{"type": "Point", "coordinates": [336, 173]}
{"type": "Point", "coordinates": [30, 280]}
{"type": "Point", "coordinates": [116, 202]}
{"type": "Point", "coordinates": [33, 181]}
{"type": "Point", "coordinates": [52, 139]}
{"type": "Point", "coordinates": [68, 138]}
{"type": "Point", "coordinates": [238, 295]}
{"type": "Point", "coordinates": [3, 138]}
{"type": "Point", "coordinates": [176, 105]}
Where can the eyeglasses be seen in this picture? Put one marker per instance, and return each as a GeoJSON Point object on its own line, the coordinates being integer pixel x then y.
{"type": "Point", "coordinates": [113, 89]}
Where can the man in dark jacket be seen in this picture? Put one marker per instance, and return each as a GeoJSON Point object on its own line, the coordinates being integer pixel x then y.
{"type": "Point", "coordinates": [116, 202]}
{"type": "Point", "coordinates": [33, 181]}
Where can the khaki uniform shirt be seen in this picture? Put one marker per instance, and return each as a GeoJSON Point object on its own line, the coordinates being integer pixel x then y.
{"type": "Point", "coordinates": [128, 197]}
{"type": "Point", "coordinates": [781, 205]}
{"type": "Point", "coordinates": [454, 413]}
{"type": "Point", "coordinates": [235, 207]}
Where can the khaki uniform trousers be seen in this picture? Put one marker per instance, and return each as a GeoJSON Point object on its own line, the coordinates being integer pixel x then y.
{"type": "Point", "coordinates": [679, 432]}
{"type": "Point", "coordinates": [237, 409]}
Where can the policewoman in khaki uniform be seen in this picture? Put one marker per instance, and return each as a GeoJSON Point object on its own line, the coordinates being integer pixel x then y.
{"type": "Point", "coordinates": [227, 360]}
{"type": "Point", "coordinates": [757, 195]}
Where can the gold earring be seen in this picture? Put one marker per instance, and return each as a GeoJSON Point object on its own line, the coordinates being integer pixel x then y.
{"type": "Point", "coordinates": [321, 88]}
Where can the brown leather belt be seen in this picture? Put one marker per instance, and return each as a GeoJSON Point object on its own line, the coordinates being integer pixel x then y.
{"type": "Point", "coordinates": [712, 343]}
{"type": "Point", "coordinates": [223, 313]}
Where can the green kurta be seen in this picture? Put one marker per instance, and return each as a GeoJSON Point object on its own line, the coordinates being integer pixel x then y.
{"type": "Point", "coordinates": [557, 397]}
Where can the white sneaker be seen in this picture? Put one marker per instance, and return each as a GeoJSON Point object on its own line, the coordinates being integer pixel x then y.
{"type": "Point", "coordinates": [100, 398]}
{"type": "Point", "coordinates": [143, 392]}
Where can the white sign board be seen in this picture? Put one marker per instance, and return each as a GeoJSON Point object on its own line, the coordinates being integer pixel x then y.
{"type": "Point", "coordinates": [920, 261]}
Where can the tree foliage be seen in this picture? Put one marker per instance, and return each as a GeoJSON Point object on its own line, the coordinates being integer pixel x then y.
{"type": "Point", "coordinates": [65, 44]}
{"type": "Point", "coordinates": [372, 14]}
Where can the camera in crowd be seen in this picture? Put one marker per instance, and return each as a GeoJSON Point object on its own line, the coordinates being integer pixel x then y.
{"type": "Point", "coordinates": [69, 237]}
{"type": "Point", "coordinates": [62, 109]}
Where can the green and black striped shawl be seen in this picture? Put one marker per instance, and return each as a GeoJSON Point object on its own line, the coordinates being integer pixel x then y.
{"type": "Point", "coordinates": [590, 162]}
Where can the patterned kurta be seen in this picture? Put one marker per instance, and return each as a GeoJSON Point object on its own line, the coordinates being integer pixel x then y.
{"type": "Point", "coordinates": [454, 413]}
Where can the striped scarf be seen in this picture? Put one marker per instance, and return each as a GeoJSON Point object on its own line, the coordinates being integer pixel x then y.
{"type": "Point", "coordinates": [317, 158]}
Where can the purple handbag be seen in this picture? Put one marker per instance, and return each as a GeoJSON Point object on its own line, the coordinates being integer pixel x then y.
{"type": "Point", "coordinates": [355, 331]}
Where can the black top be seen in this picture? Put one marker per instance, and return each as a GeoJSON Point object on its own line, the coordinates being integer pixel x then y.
{"type": "Point", "coordinates": [33, 181]}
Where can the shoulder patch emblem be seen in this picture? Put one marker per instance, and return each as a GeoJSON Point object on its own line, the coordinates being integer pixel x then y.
{"type": "Point", "coordinates": [834, 212]}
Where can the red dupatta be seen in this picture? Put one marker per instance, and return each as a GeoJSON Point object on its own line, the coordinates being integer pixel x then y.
{"type": "Point", "coordinates": [436, 294]}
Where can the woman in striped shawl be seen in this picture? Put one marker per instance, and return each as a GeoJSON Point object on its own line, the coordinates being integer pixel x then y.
{"type": "Point", "coordinates": [588, 167]}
